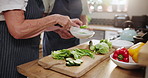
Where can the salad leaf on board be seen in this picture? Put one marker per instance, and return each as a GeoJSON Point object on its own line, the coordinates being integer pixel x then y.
{"type": "Point", "coordinates": [75, 53]}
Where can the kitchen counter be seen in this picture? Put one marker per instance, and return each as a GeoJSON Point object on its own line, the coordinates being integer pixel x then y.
{"type": "Point", "coordinates": [105, 69]}
{"type": "Point", "coordinates": [103, 32]}
{"type": "Point", "coordinates": [105, 28]}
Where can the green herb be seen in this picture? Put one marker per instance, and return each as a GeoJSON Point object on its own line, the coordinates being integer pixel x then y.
{"type": "Point", "coordinates": [84, 26]}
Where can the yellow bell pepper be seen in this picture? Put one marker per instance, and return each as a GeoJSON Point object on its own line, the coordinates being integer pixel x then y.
{"type": "Point", "coordinates": [134, 51]}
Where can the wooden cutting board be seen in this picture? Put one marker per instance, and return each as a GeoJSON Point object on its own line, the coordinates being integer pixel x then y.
{"type": "Point", "coordinates": [75, 71]}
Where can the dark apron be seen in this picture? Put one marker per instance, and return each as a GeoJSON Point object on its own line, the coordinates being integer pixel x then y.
{"type": "Point", "coordinates": [52, 41]}
{"type": "Point", "coordinates": [14, 52]}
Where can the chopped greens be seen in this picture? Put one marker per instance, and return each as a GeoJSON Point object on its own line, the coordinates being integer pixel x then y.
{"type": "Point", "coordinates": [72, 62]}
{"type": "Point", "coordinates": [73, 57]}
{"type": "Point", "coordinates": [107, 42]}
{"type": "Point", "coordinates": [84, 26]}
{"type": "Point", "coordinates": [102, 47]}
{"type": "Point", "coordinates": [61, 54]}
{"type": "Point", "coordinates": [75, 53]}
{"type": "Point", "coordinates": [78, 53]}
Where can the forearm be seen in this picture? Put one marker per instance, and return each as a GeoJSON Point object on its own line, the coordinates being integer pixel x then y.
{"type": "Point", "coordinates": [20, 28]}
{"type": "Point", "coordinates": [32, 28]}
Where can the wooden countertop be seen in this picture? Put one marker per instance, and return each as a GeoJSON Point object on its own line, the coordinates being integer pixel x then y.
{"type": "Point", "coordinates": [106, 69]}
{"type": "Point", "coordinates": [105, 28]}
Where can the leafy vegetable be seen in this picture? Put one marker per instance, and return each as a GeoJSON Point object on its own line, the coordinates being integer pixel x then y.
{"type": "Point", "coordinates": [84, 26]}
{"type": "Point", "coordinates": [75, 53]}
{"type": "Point", "coordinates": [102, 48]}
{"type": "Point", "coordinates": [107, 42]}
{"type": "Point", "coordinates": [61, 54]}
{"type": "Point", "coordinates": [84, 52]}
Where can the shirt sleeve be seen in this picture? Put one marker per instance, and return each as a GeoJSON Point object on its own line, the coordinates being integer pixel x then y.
{"type": "Point", "coordinates": [12, 4]}
{"type": "Point", "coordinates": [85, 9]}
{"type": "Point", "coordinates": [48, 4]}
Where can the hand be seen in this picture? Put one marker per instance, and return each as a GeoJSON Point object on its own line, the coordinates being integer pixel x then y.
{"type": "Point", "coordinates": [52, 28]}
{"type": "Point", "coordinates": [62, 20]}
{"type": "Point", "coordinates": [76, 22]}
{"type": "Point", "coordinates": [64, 33]}
{"type": "Point", "coordinates": [66, 22]}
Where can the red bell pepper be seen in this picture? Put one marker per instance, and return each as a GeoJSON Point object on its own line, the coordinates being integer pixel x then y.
{"type": "Point", "coordinates": [121, 54]}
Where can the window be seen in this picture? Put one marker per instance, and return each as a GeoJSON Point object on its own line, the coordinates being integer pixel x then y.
{"type": "Point", "coordinates": [107, 5]}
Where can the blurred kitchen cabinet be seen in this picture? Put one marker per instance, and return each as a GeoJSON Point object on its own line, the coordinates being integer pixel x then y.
{"type": "Point", "coordinates": [139, 21]}
{"type": "Point", "coordinates": [119, 20]}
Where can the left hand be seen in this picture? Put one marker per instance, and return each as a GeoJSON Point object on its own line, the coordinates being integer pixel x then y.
{"type": "Point", "coordinates": [52, 28]}
{"type": "Point", "coordinates": [65, 34]}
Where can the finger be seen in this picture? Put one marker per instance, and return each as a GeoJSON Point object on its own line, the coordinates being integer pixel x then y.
{"type": "Point", "coordinates": [52, 28]}
{"type": "Point", "coordinates": [77, 21]}
{"type": "Point", "coordinates": [68, 34]}
{"type": "Point", "coordinates": [74, 24]}
{"type": "Point", "coordinates": [63, 21]}
{"type": "Point", "coordinates": [64, 34]}
{"type": "Point", "coordinates": [68, 25]}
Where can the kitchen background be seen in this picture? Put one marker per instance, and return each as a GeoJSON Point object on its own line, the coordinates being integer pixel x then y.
{"type": "Point", "coordinates": [108, 21]}
{"type": "Point", "coordinates": [113, 13]}
{"type": "Point", "coordinates": [129, 7]}
{"type": "Point", "coordinates": [110, 15]}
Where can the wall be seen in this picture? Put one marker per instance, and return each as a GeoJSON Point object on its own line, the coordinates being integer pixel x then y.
{"type": "Point", "coordinates": [138, 7]}
{"type": "Point", "coordinates": [135, 7]}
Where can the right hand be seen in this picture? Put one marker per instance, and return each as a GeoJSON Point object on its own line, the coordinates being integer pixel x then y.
{"type": "Point", "coordinates": [65, 34]}
{"type": "Point", "coordinates": [65, 21]}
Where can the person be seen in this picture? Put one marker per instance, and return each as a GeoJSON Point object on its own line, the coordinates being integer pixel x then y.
{"type": "Point", "coordinates": [21, 23]}
{"type": "Point", "coordinates": [72, 8]}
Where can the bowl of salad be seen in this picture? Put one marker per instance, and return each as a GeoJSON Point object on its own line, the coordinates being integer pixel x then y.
{"type": "Point", "coordinates": [81, 32]}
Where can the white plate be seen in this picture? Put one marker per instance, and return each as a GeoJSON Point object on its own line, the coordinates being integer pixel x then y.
{"type": "Point", "coordinates": [130, 65]}
{"type": "Point", "coordinates": [121, 43]}
{"type": "Point", "coordinates": [81, 33]}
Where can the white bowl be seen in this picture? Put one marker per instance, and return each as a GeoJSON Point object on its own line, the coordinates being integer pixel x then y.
{"type": "Point", "coordinates": [81, 33]}
{"type": "Point", "coordinates": [125, 65]}
{"type": "Point", "coordinates": [121, 43]}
